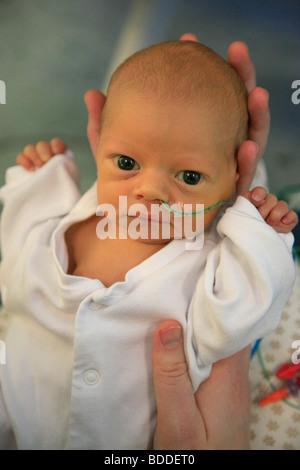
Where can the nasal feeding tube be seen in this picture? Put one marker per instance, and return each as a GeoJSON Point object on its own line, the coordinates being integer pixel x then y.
{"type": "Point", "coordinates": [218, 204]}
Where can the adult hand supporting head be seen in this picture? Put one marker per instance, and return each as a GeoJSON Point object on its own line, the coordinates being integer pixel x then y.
{"type": "Point", "coordinates": [217, 417]}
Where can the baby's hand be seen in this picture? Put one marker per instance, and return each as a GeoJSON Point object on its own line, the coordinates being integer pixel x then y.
{"type": "Point", "coordinates": [276, 213]}
{"type": "Point", "coordinates": [37, 155]}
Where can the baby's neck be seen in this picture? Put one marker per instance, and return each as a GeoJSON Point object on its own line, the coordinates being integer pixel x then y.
{"type": "Point", "coordinates": [107, 260]}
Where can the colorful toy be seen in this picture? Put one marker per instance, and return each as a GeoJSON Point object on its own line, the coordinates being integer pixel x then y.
{"type": "Point", "coordinates": [290, 373]}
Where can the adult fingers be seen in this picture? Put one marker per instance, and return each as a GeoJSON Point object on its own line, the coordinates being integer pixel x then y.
{"type": "Point", "coordinates": [247, 162]}
{"type": "Point", "coordinates": [94, 101]}
{"type": "Point", "coordinates": [179, 423]}
{"type": "Point", "coordinates": [225, 401]}
{"type": "Point", "coordinates": [258, 107]}
{"type": "Point", "coordinates": [189, 37]}
{"type": "Point", "coordinates": [239, 59]}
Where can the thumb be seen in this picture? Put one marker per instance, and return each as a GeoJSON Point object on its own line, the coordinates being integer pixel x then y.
{"type": "Point", "coordinates": [94, 101]}
{"type": "Point", "coordinates": [179, 422]}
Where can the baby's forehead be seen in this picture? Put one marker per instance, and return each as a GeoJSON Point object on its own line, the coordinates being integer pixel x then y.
{"type": "Point", "coordinates": [176, 64]}
{"type": "Point", "coordinates": [184, 72]}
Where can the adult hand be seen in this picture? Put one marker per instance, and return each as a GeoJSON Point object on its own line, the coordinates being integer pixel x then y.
{"type": "Point", "coordinates": [217, 417]}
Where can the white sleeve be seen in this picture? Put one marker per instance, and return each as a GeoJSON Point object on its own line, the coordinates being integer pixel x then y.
{"type": "Point", "coordinates": [246, 283]}
{"type": "Point", "coordinates": [30, 198]}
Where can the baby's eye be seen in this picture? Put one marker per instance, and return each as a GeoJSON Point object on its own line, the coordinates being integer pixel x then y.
{"type": "Point", "coordinates": [126, 163]}
{"type": "Point", "coordinates": [190, 177]}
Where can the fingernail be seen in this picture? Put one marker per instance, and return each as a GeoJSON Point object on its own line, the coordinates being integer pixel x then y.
{"type": "Point", "coordinates": [257, 195]}
{"type": "Point", "coordinates": [171, 337]}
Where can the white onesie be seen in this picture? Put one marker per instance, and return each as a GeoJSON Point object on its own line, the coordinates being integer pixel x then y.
{"type": "Point", "coordinates": [78, 355]}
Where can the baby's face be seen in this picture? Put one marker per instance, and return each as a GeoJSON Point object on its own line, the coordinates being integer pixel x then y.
{"type": "Point", "coordinates": [153, 152]}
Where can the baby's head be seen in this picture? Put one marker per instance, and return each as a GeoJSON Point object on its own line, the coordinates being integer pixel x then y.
{"type": "Point", "coordinates": [187, 72]}
{"type": "Point", "coordinates": [178, 112]}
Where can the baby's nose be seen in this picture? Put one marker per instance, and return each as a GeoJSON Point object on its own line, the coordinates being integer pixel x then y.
{"type": "Point", "coordinates": [151, 187]}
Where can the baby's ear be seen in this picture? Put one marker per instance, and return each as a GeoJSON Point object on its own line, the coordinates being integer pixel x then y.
{"type": "Point", "coordinates": [235, 190]}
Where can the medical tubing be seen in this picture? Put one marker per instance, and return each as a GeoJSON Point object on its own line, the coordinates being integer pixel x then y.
{"type": "Point", "coordinates": [218, 204]}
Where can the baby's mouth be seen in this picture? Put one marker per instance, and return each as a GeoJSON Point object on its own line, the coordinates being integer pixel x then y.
{"type": "Point", "coordinates": [152, 217]}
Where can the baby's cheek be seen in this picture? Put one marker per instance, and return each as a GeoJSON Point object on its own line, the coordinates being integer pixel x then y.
{"type": "Point", "coordinates": [196, 224]}
{"type": "Point", "coordinates": [209, 217]}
